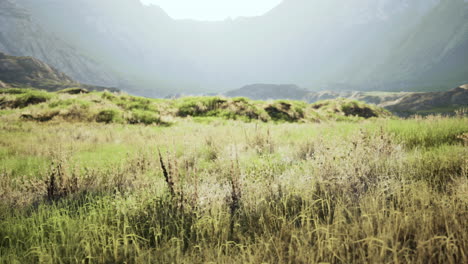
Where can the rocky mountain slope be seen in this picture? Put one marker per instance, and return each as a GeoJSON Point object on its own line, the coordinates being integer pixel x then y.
{"type": "Point", "coordinates": [22, 35]}
{"type": "Point", "coordinates": [138, 42]}
{"type": "Point", "coordinates": [29, 72]}
{"type": "Point", "coordinates": [416, 102]}
{"type": "Point", "coordinates": [396, 45]}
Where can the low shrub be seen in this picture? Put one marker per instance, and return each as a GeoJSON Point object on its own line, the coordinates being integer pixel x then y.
{"type": "Point", "coordinates": [285, 111]}
{"type": "Point", "coordinates": [109, 116]}
{"type": "Point", "coordinates": [143, 117]}
{"type": "Point", "coordinates": [199, 106]}
{"type": "Point", "coordinates": [31, 97]}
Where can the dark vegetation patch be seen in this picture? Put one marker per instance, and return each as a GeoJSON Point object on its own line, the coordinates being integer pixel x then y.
{"type": "Point", "coordinates": [76, 90]}
{"type": "Point", "coordinates": [22, 100]}
{"type": "Point", "coordinates": [286, 111]}
{"type": "Point", "coordinates": [108, 116]}
{"type": "Point", "coordinates": [41, 117]}
{"type": "Point", "coordinates": [340, 108]}
{"type": "Point", "coordinates": [354, 109]}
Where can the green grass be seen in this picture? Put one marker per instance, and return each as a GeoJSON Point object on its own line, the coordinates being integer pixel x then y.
{"type": "Point", "coordinates": [103, 156]}
{"type": "Point", "coordinates": [421, 133]}
{"type": "Point", "coordinates": [360, 191]}
{"type": "Point", "coordinates": [442, 110]}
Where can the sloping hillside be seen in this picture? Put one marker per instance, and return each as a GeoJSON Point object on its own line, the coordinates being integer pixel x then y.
{"type": "Point", "coordinates": [22, 35]}
{"type": "Point", "coordinates": [417, 102]}
{"type": "Point", "coordinates": [30, 72]}
{"type": "Point", "coordinates": [27, 72]}
{"type": "Point", "coordinates": [269, 91]}
{"type": "Point", "coordinates": [434, 53]}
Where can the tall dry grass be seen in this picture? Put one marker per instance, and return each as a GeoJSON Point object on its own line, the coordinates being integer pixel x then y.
{"type": "Point", "coordinates": [382, 191]}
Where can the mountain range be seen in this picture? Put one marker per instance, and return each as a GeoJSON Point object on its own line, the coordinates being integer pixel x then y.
{"type": "Point", "coordinates": [387, 45]}
{"type": "Point", "coordinates": [29, 72]}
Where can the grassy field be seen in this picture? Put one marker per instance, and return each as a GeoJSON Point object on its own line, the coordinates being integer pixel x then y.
{"type": "Point", "coordinates": [217, 189]}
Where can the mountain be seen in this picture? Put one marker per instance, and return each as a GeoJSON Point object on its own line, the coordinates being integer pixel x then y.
{"type": "Point", "coordinates": [388, 45]}
{"type": "Point", "coordinates": [136, 41]}
{"type": "Point", "coordinates": [22, 35]}
{"type": "Point", "coordinates": [27, 72]}
{"type": "Point", "coordinates": [434, 53]}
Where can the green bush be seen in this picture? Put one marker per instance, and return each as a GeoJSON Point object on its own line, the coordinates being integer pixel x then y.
{"type": "Point", "coordinates": [199, 106]}
{"type": "Point", "coordinates": [108, 96]}
{"type": "Point", "coordinates": [285, 111]}
{"type": "Point", "coordinates": [31, 97]}
{"type": "Point", "coordinates": [144, 117]}
{"type": "Point", "coordinates": [109, 116]}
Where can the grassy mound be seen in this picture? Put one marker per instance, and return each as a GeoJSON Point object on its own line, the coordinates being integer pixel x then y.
{"type": "Point", "coordinates": [78, 104]}
{"type": "Point", "coordinates": [349, 108]}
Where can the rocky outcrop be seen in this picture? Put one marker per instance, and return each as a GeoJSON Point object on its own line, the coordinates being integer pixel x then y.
{"type": "Point", "coordinates": [21, 35]}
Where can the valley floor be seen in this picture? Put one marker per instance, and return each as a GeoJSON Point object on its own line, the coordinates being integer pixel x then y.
{"type": "Point", "coordinates": [371, 191]}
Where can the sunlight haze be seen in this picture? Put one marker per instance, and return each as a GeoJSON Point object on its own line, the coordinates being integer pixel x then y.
{"type": "Point", "coordinates": [213, 9]}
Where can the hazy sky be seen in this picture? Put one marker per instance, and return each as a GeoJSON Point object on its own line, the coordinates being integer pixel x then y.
{"type": "Point", "coordinates": [213, 9]}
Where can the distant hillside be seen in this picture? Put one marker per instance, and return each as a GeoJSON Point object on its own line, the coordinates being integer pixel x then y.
{"type": "Point", "coordinates": [269, 91]}
{"type": "Point", "coordinates": [407, 102]}
{"type": "Point", "coordinates": [420, 102]}
{"type": "Point", "coordinates": [27, 72]}
{"type": "Point", "coordinates": [273, 91]}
